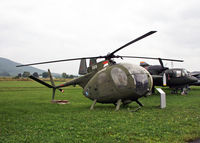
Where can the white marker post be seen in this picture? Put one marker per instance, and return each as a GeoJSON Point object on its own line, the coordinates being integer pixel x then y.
{"type": "Point", "coordinates": [162, 98]}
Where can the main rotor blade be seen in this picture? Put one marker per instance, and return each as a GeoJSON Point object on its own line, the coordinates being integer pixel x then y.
{"type": "Point", "coordinates": [150, 58]}
{"type": "Point", "coordinates": [40, 81]}
{"type": "Point", "coordinates": [133, 41]}
{"type": "Point", "coordinates": [55, 61]}
{"type": "Point", "coordinates": [161, 63]}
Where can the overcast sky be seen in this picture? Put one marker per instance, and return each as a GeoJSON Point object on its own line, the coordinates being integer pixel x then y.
{"type": "Point", "coordinates": [43, 30]}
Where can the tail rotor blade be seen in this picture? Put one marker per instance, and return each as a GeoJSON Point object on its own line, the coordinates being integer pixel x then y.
{"type": "Point", "coordinates": [54, 90]}
{"type": "Point", "coordinates": [47, 85]}
{"type": "Point", "coordinates": [51, 78]}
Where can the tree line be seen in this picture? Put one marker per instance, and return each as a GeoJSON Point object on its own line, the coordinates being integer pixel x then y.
{"type": "Point", "coordinates": [26, 74]}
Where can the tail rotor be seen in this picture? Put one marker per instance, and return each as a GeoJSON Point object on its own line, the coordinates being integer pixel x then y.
{"type": "Point", "coordinates": [52, 85]}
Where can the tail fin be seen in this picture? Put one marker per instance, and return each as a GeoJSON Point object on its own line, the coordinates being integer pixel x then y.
{"type": "Point", "coordinates": [83, 67]}
{"type": "Point", "coordinates": [93, 61]}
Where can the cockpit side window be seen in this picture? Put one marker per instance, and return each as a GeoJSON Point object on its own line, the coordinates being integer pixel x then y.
{"type": "Point", "coordinates": [178, 73]}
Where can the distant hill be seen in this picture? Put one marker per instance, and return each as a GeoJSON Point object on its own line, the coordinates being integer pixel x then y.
{"type": "Point", "coordinates": [8, 66]}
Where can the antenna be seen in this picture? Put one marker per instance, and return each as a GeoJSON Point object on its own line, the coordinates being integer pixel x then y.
{"type": "Point", "coordinates": [172, 64]}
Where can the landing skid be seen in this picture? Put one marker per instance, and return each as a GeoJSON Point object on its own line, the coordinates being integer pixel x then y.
{"type": "Point", "coordinates": [92, 106]}
{"type": "Point", "coordinates": [141, 105]}
{"type": "Point", "coordinates": [117, 104]}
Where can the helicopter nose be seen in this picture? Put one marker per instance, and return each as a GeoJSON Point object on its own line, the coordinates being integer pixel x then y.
{"type": "Point", "coordinates": [142, 83]}
{"type": "Point", "coordinates": [193, 79]}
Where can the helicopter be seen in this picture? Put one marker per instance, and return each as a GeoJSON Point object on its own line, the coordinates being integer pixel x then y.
{"type": "Point", "coordinates": [107, 81]}
{"type": "Point", "coordinates": [176, 78]}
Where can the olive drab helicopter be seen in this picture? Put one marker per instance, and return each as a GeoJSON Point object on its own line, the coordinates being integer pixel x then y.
{"type": "Point", "coordinates": [107, 81]}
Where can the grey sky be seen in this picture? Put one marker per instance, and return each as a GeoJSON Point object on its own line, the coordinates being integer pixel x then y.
{"type": "Point", "coordinates": [43, 30]}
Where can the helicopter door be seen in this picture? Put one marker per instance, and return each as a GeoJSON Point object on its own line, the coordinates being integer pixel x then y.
{"type": "Point", "coordinates": [104, 86]}
{"type": "Point", "coordinates": [119, 77]}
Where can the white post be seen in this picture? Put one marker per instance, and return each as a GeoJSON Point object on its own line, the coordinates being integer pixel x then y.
{"type": "Point", "coordinates": [162, 98]}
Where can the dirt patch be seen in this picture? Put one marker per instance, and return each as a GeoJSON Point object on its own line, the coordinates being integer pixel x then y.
{"type": "Point", "coordinates": [60, 101]}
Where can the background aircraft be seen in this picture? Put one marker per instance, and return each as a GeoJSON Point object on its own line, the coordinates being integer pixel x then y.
{"type": "Point", "coordinates": [176, 78]}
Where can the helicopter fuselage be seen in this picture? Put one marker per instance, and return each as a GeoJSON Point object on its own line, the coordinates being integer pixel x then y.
{"type": "Point", "coordinates": [123, 81]}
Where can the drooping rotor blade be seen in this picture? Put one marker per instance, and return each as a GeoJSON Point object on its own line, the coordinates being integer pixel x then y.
{"type": "Point", "coordinates": [161, 63]}
{"type": "Point", "coordinates": [150, 58]}
{"type": "Point", "coordinates": [44, 83]}
{"type": "Point", "coordinates": [133, 41]}
{"type": "Point", "coordinates": [40, 81]}
{"type": "Point", "coordinates": [55, 61]}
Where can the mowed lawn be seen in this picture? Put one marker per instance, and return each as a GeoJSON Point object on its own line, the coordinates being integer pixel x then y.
{"type": "Point", "coordinates": [27, 115]}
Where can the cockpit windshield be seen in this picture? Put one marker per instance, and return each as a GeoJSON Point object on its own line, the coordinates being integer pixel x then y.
{"type": "Point", "coordinates": [184, 72]}
{"type": "Point", "coordinates": [140, 77]}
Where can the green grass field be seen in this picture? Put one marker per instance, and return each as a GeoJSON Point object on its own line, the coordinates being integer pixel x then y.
{"type": "Point", "coordinates": [27, 115]}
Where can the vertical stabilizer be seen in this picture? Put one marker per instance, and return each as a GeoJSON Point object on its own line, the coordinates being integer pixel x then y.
{"type": "Point", "coordinates": [83, 67]}
{"type": "Point", "coordinates": [93, 61]}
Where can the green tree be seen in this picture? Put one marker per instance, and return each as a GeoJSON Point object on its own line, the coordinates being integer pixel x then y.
{"type": "Point", "coordinates": [26, 74]}
{"type": "Point", "coordinates": [35, 74]}
{"type": "Point", "coordinates": [45, 74]}
{"type": "Point", "coordinates": [64, 75]}
{"type": "Point", "coordinates": [19, 75]}
{"type": "Point", "coordinates": [71, 76]}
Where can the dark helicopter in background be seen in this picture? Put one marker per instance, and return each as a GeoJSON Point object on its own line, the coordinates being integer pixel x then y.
{"type": "Point", "coordinates": [176, 78]}
{"type": "Point", "coordinates": [108, 81]}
